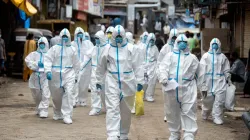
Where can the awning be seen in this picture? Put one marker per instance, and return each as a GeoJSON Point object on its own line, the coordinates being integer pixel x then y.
{"type": "Point", "coordinates": [24, 5]}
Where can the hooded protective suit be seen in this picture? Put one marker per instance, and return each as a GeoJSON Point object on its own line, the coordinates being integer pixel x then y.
{"type": "Point", "coordinates": [97, 98]}
{"type": "Point", "coordinates": [38, 82]}
{"type": "Point", "coordinates": [118, 64]}
{"type": "Point", "coordinates": [109, 30]}
{"type": "Point", "coordinates": [85, 71]}
{"type": "Point", "coordinates": [150, 64]}
{"type": "Point", "coordinates": [61, 64]}
{"type": "Point", "coordinates": [77, 43]}
{"type": "Point", "coordinates": [180, 104]}
{"type": "Point", "coordinates": [169, 46]}
{"type": "Point", "coordinates": [212, 78]}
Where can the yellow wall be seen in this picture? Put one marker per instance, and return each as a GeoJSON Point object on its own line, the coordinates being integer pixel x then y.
{"type": "Point", "coordinates": [82, 24]}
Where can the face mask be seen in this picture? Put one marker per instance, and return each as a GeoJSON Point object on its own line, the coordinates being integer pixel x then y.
{"type": "Point", "coordinates": [182, 45]}
{"type": "Point", "coordinates": [97, 41]}
{"type": "Point", "coordinates": [118, 40]}
{"type": "Point", "coordinates": [65, 39]}
{"type": "Point", "coordinates": [215, 46]}
{"type": "Point", "coordinates": [151, 43]}
{"type": "Point", "coordinates": [109, 35]}
{"type": "Point", "coordinates": [80, 35]}
{"type": "Point", "coordinates": [86, 38]}
{"type": "Point", "coordinates": [145, 38]}
{"type": "Point", "coordinates": [41, 46]}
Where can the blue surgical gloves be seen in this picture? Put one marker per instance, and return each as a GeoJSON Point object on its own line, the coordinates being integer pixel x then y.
{"type": "Point", "coordinates": [49, 76]}
{"type": "Point", "coordinates": [139, 87]}
{"type": "Point", "coordinates": [40, 64]}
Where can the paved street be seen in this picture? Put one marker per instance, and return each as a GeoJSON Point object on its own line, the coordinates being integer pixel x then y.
{"type": "Point", "coordinates": [18, 121]}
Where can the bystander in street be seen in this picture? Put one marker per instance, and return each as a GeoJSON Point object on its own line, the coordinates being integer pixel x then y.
{"type": "Point", "coordinates": [29, 46]}
{"type": "Point", "coordinates": [2, 54]}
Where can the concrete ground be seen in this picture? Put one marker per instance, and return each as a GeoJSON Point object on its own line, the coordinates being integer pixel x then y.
{"type": "Point", "coordinates": [19, 122]}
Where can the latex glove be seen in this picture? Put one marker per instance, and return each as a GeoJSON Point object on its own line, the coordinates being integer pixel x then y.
{"type": "Point", "coordinates": [204, 94]}
{"type": "Point", "coordinates": [2, 65]}
{"type": "Point", "coordinates": [139, 87]}
{"type": "Point", "coordinates": [40, 64]}
{"type": "Point", "coordinates": [49, 76]}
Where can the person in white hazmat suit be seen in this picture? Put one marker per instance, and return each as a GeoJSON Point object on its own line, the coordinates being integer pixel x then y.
{"type": "Point", "coordinates": [167, 48]}
{"type": "Point", "coordinates": [212, 81]}
{"type": "Point", "coordinates": [77, 43]}
{"type": "Point", "coordinates": [143, 40]}
{"type": "Point", "coordinates": [150, 64]}
{"type": "Point", "coordinates": [144, 23]}
{"type": "Point", "coordinates": [38, 82]}
{"type": "Point", "coordinates": [180, 66]}
{"type": "Point", "coordinates": [109, 32]}
{"type": "Point", "coordinates": [118, 64]}
{"type": "Point", "coordinates": [97, 97]}
{"type": "Point", "coordinates": [85, 71]}
{"type": "Point", "coordinates": [130, 39]}
{"type": "Point", "coordinates": [62, 66]}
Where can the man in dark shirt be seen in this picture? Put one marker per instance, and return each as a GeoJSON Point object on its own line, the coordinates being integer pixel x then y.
{"type": "Point", "coordinates": [159, 43]}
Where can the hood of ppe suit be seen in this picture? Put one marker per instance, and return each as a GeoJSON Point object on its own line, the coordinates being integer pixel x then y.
{"type": "Point", "coordinates": [130, 38]}
{"type": "Point", "coordinates": [173, 32]}
{"type": "Point", "coordinates": [44, 40]}
{"type": "Point", "coordinates": [67, 33]}
{"type": "Point", "coordinates": [180, 38]}
{"type": "Point", "coordinates": [119, 31]}
{"type": "Point", "coordinates": [150, 37]}
{"type": "Point", "coordinates": [142, 36]}
{"type": "Point", "coordinates": [217, 41]}
{"type": "Point", "coordinates": [78, 30]}
{"type": "Point", "coordinates": [102, 37]}
{"type": "Point", "coordinates": [110, 29]}
{"type": "Point", "coordinates": [87, 35]}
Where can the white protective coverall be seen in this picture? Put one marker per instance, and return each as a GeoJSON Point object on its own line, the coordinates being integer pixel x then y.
{"type": "Point", "coordinates": [97, 99]}
{"type": "Point", "coordinates": [38, 82]}
{"type": "Point", "coordinates": [180, 104]}
{"type": "Point", "coordinates": [85, 71]}
{"type": "Point", "coordinates": [164, 51]}
{"type": "Point", "coordinates": [77, 43]}
{"type": "Point", "coordinates": [140, 58]}
{"type": "Point", "coordinates": [63, 63]}
{"type": "Point", "coordinates": [212, 78]}
{"type": "Point", "coordinates": [118, 64]}
{"type": "Point", "coordinates": [111, 30]}
{"type": "Point", "coordinates": [150, 64]}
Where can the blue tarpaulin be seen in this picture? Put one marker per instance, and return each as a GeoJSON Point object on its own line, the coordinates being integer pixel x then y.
{"type": "Point", "coordinates": [23, 17]}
